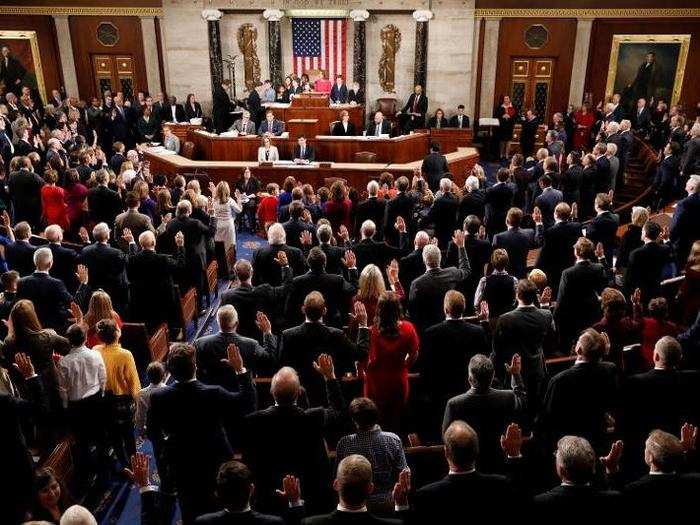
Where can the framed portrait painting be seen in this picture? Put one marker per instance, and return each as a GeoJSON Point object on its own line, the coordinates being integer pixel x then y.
{"type": "Point", "coordinates": [647, 66]}
{"type": "Point", "coordinates": [20, 62]}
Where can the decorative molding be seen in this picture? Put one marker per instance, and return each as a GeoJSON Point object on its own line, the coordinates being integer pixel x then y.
{"type": "Point", "coordinates": [316, 13]}
{"type": "Point", "coordinates": [212, 15]}
{"type": "Point", "coordinates": [422, 15]}
{"type": "Point", "coordinates": [273, 15]}
{"type": "Point", "coordinates": [589, 13]}
{"type": "Point", "coordinates": [359, 15]}
{"type": "Point", "coordinates": [81, 11]}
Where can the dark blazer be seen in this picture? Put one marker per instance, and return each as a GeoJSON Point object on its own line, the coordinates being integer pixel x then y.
{"type": "Point", "coordinates": [107, 270]}
{"type": "Point", "coordinates": [167, 113]}
{"type": "Point", "coordinates": [645, 269]}
{"type": "Point", "coordinates": [557, 252]}
{"type": "Point", "coordinates": [339, 95]}
{"type": "Point", "coordinates": [334, 256]}
{"type": "Point", "coordinates": [251, 517]}
{"type": "Point", "coordinates": [571, 184]}
{"type": "Point", "coordinates": [685, 226]}
{"type": "Point", "coordinates": [51, 299]}
{"type": "Point", "coordinates": [191, 112]}
{"type": "Point", "coordinates": [578, 306]}
{"type": "Point", "coordinates": [590, 503]}
{"type": "Point", "coordinates": [293, 229]}
{"type": "Point", "coordinates": [603, 228]}
{"type": "Point", "coordinates": [499, 199]}
{"type": "Point", "coordinates": [602, 177]}
{"type": "Point", "coordinates": [434, 167]}
{"type": "Point", "coordinates": [338, 517]}
{"type": "Point", "coordinates": [385, 128]}
{"type": "Point", "coordinates": [335, 290]}
{"type": "Point", "coordinates": [400, 206]}
{"type": "Point", "coordinates": [20, 257]}
{"type": "Point", "coordinates": [64, 265]}
{"type": "Point", "coordinates": [479, 253]}
{"type": "Point", "coordinates": [443, 216]}
{"type": "Point", "coordinates": [677, 491]}
{"type": "Point", "coordinates": [546, 202]}
{"type": "Point", "coordinates": [340, 131]}
{"type": "Point", "coordinates": [517, 242]}
{"type": "Point", "coordinates": [276, 128]}
{"type": "Point", "coordinates": [372, 209]}
{"type": "Point", "coordinates": [266, 270]}
{"type": "Point", "coordinates": [104, 205]}
{"type": "Point", "coordinates": [641, 120]}
{"type": "Point", "coordinates": [221, 106]}
{"type": "Point", "coordinates": [411, 267]}
{"type": "Point", "coordinates": [472, 203]}
{"type": "Point", "coordinates": [690, 160]}
{"type": "Point", "coordinates": [369, 251]}
{"type": "Point", "coordinates": [427, 292]}
{"type": "Point", "coordinates": [309, 153]}
{"type": "Point", "coordinates": [25, 189]}
{"type": "Point", "coordinates": [454, 122]}
{"type": "Point", "coordinates": [433, 122]}
{"type": "Point", "coordinates": [196, 235]}
{"type": "Point", "coordinates": [356, 96]}
{"type": "Point", "coordinates": [421, 108]}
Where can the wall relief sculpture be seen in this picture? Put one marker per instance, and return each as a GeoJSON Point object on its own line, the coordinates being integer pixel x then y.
{"type": "Point", "coordinates": [247, 43]}
{"type": "Point", "coordinates": [391, 42]}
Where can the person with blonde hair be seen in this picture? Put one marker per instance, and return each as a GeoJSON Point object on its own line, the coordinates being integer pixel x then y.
{"type": "Point", "coordinates": [99, 308]}
{"type": "Point", "coordinates": [632, 238]}
{"type": "Point", "coordinates": [371, 286]}
{"type": "Point", "coordinates": [225, 210]}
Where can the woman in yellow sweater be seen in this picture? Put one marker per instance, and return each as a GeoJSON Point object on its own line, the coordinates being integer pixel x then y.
{"type": "Point", "coordinates": [121, 389]}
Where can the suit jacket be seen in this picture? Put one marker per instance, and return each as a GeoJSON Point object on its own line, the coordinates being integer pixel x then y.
{"type": "Point", "coordinates": [434, 167]}
{"type": "Point", "coordinates": [339, 130]}
{"type": "Point", "coordinates": [372, 209]}
{"type": "Point", "coordinates": [472, 203]}
{"type": "Point", "coordinates": [276, 128]}
{"type": "Point", "coordinates": [134, 221]}
{"type": "Point", "coordinates": [64, 265]}
{"type": "Point", "coordinates": [443, 216]}
{"type": "Point", "coordinates": [546, 202]}
{"type": "Point", "coordinates": [356, 96]}
{"type": "Point", "coordinates": [645, 269]}
{"type": "Point", "coordinates": [690, 160]}
{"type": "Point", "coordinates": [335, 290]}
{"type": "Point", "coordinates": [309, 153]}
{"type": "Point", "coordinates": [20, 257]}
{"type": "Point", "coordinates": [221, 106]}
{"type": "Point", "coordinates": [590, 503]}
{"type": "Point", "coordinates": [104, 204]}
{"type": "Point", "coordinates": [339, 95]}
{"type": "Point", "coordinates": [294, 227]}
{"type": "Point", "coordinates": [517, 242]}
{"type": "Point", "coordinates": [248, 128]}
{"type": "Point", "coordinates": [499, 199]}
{"type": "Point", "coordinates": [578, 306]}
{"type": "Point", "coordinates": [678, 492]}
{"type": "Point", "coordinates": [557, 253]}
{"type": "Point", "coordinates": [250, 517]}
{"type": "Point", "coordinates": [454, 122]}
{"type": "Point", "coordinates": [421, 107]}
{"type": "Point", "coordinates": [411, 267]}
{"type": "Point", "coordinates": [603, 228]}
{"type": "Point", "coordinates": [266, 270]}
{"type": "Point", "coordinates": [433, 122]}
{"type": "Point", "coordinates": [641, 121]}
{"type": "Point", "coordinates": [193, 112]}
{"type": "Point", "coordinates": [685, 226]}
{"type": "Point", "coordinates": [602, 177]}
{"type": "Point", "coordinates": [338, 517]}
{"type": "Point", "coordinates": [427, 292]}
{"type": "Point", "coordinates": [51, 299]}
{"type": "Point", "coordinates": [107, 270]}
{"type": "Point", "coordinates": [400, 206]}
{"type": "Point", "coordinates": [166, 114]}
{"type": "Point", "coordinates": [369, 251]}
{"type": "Point", "coordinates": [196, 235]}
{"type": "Point", "coordinates": [25, 189]}
{"type": "Point", "coordinates": [385, 128]}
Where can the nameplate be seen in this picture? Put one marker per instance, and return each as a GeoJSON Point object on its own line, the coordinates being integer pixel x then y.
{"type": "Point", "coordinates": [265, 163]}
{"type": "Point", "coordinates": [324, 165]}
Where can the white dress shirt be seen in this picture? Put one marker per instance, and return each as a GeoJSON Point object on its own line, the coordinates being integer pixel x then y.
{"type": "Point", "coordinates": [81, 374]}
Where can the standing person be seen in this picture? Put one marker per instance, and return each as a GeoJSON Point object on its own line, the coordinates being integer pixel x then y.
{"type": "Point", "coordinates": [225, 211]}
{"type": "Point", "coordinates": [528, 133]}
{"type": "Point", "coordinates": [221, 106]}
{"type": "Point", "coordinates": [393, 350]}
{"type": "Point", "coordinates": [506, 114]}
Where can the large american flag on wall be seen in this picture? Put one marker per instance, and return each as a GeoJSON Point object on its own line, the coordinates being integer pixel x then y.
{"type": "Point", "coordinates": [319, 43]}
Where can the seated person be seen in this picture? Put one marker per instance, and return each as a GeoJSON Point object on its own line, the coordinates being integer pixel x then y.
{"type": "Point", "coordinates": [267, 152]}
{"type": "Point", "coordinates": [460, 120]}
{"type": "Point", "coordinates": [438, 120]}
{"type": "Point", "coordinates": [271, 126]}
{"type": "Point", "coordinates": [356, 95]}
{"type": "Point", "coordinates": [244, 126]}
{"type": "Point", "coordinates": [303, 154]}
{"type": "Point", "coordinates": [379, 126]}
{"type": "Point", "coordinates": [170, 140]}
{"type": "Point", "coordinates": [343, 128]}
{"type": "Point", "coordinates": [339, 91]}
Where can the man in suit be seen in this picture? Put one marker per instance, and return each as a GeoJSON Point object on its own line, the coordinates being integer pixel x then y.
{"type": "Point", "coordinates": [343, 127]}
{"type": "Point", "coordinates": [576, 465]}
{"type": "Point", "coordinates": [400, 206]}
{"type": "Point", "coordinates": [516, 241]}
{"type": "Point", "coordinates": [151, 280]}
{"type": "Point", "coordinates": [104, 204]}
{"type": "Point", "coordinates": [189, 415]}
{"type": "Point", "coordinates": [12, 72]}
{"type": "Point", "coordinates": [642, 117]}
{"type": "Point", "coordinates": [107, 267]}
{"type": "Point", "coordinates": [602, 177]}
{"type": "Point", "coordinates": [334, 288]}
{"type": "Point", "coordinates": [412, 266]}
{"type": "Point", "coordinates": [566, 411]}
{"type": "Point", "coordinates": [244, 125]}
{"type": "Point", "coordinates": [131, 220]}
{"type": "Point", "coordinates": [413, 113]}
{"type": "Point", "coordinates": [368, 251]}
{"type": "Point", "coordinates": [265, 265]}
{"type": "Point", "coordinates": [339, 91]}
{"type": "Point", "coordinates": [479, 252]}
{"type": "Point", "coordinates": [427, 292]}
{"type": "Point", "coordinates": [434, 167]}
{"type": "Point", "coordinates": [443, 214]}
{"type": "Point", "coordinates": [378, 126]}
{"type": "Point", "coordinates": [302, 451]}
{"type": "Point", "coordinates": [646, 264]}
{"type": "Point", "coordinates": [667, 178]}
{"type": "Point", "coordinates": [303, 153]}
{"type": "Point", "coordinates": [548, 200]}
{"type": "Point", "coordinates": [302, 344]}
{"type": "Point", "coordinates": [603, 227]}
{"type": "Point", "coordinates": [24, 187]}
{"type": "Point", "coordinates": [65, 260]}
{"type": "Point", "coordinates": [557, 242]}
{"type": "Point", "coordinates": [211, 350]}
{"type": "Point", "coordinates": [121, 120]}
{"type": "Point", "coordinates": [459, 120]}
{"type": "Point", "coordinates": [371, 209]}
{"type": "Point", "coordinates": [254, 105]}
{"type": "Point", "coordinates": [172, 111]}
{"type": "Point", "coordinates": [49, 295]}
{"type": "Point", "coordinates": [524, 332]}
{"type": "Point", "coordinates": [499, 199]}
{"type": "Point", "coordinates": [690, 160]}
{"type": "Point", "coordinates": [297, 224]}
{"type": "Point", "coordinates": [578, 303]}
{"type": "Point", "coordinates": [271, 126]}
{"type": "Point", "coordinates": [685, 225]}
{"type": "Point", "coordinates": [334, 254]}
{"type": "Point", "coordinates": [221, 106]}
{"type": "Point", "coordinates": [19, 254]}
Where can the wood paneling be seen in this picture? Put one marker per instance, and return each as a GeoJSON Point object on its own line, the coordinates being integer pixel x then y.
{"type": "Point", "coordinates": [583, 4]}
{"type": "Point", "coordinates": [48, 46]}
{"type": "Point", "coordinates": [601, 41]}
{"type": "Point", "coordinates": [559, 47]}
{"type": "Point", "coordinates": [83, 31]}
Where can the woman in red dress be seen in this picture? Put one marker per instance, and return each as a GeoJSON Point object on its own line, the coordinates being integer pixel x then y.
{"type": "Point", "coordinates": [338, 207]}
{"type": "Point", "coordinates": [53, 201]}
{"type": "Point", "coordinates": [99, 308]}
{"type": "Point", "coordinates": [584, 123]}
{"type": "Point", "coordinates": [393, 350]}
{"type": "Point", "coordinates": [689, 293]}
{"type": "Point", "coordinates": [76, 198]}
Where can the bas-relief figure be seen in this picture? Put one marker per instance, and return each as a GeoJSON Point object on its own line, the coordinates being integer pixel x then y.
{"type": "Point", "coordinates": [391, 42]}
{"type": "Point", "coordinates": [247, 43]}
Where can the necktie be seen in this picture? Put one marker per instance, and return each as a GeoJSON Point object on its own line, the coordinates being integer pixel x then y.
{"type": "Point", "coordinates": [301, 152]}
{"type": "Point", "coordinates": [460, 121]}
{"type": "Point", "coordinates": [415, 103]}
{"type": "Point", "coordinates": [378, 128]}
{"type": "Point", "coordinates": [267, 154]}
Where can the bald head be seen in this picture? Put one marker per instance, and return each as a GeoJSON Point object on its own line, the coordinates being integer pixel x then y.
{"type": "Point", "coordinates": [285, 386]}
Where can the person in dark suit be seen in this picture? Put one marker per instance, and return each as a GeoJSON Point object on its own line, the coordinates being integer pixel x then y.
{"type": "Point", "coordinates": [107, 267]}
{"type": "Point", "coordinates": [473, 200]}
{"type": "Point", "coordinates": [120, 120]}
{"type": "Point", "coordinates": [528, 133]}
{"type": "Point", "coordinates": [411, 266]}
{"type": "Point", "coordinates": [443, 214]}
{"type": "Point", "coordinates": [690, 160]}
{"type": "Point", "coordinates": [602, 175]}
{"type": "Point", "coordinates": [344, 128]}
{"type": "Point", "coordinates": [104, 204]}
{"type": "Point", "coordinates": [667, 178]}
{"type": "Point", "coordinates": [459, 120]}
{"type": "Point", "coordinates": [189, 415]}
{"type": "Point", "coordinates": [413, 113]}
{"type": "Point", "coordinates": [438, 120]}
{"type": "Point", "coordinates": [173, 112]}
{"type": "Point", "coordinates": [479, 252]}
{"type": "Point", "coordinates": [266, 268]}
{"type": "Point", "coordinates": [339, 91]}
{"type": "Point", "coordinates": [12, 72]}
{"type": "Point", "coordinates": [685, 225]}
{"type": "Point", "coordinates": [434, 167]}
{"type": "Point", "coordinates": [646, 265]}
{"type": "Point", "coordinates": [575, 466]}
{"type": "Point", "coordinates": [302, 452]}
{"type": "Point", "coordinates": [578, 305]}
{"type": "Point", "coordinates": [642, 117]}
{"type": "Point", "coordinates": [372, 209]}
{"type": "Point", "coordinates": [570, 181]}
{"type": "Point", "coordinates": [65, 260]}
{"type": "Point", "coordinates": [296, 225]}
{"type": "Point", "coordinates": [368, 251]}
{"type": "Point", "coordinates": [271, 126]}
{"type": "Point", "coordinates": [400, 206]}
{"type": "Point", "coordinates": [193, 109]}
{"type": "Point", "coordinates": [49, 295]}
{"type": "Point", "coordinates": [516, 241]}
{"type": "Point", "coordinates": [301, 345]}
{"type": "Point", "coordinates": [356, 95]}
{"type": "Point", "coordinates": [378, 126]}
{"type": "Point", "coordinates": [427, 292]}
{"type": "Point", "coordinates": [603, 227]}
{"type": "Point", "coordinates": [499, 199]}
{"type": "Point", "coordinates": [557, 242]}
{"type": "Point", "coordinates": [565, 411]}
{"type": "Point", "coordinates": [334, 254]}
{"type": "Point", "coordinates": [221, 106]}
{"type": "Point", "coordinates": [24, 187]}
{"type": "Point", "coordinates": [19, 254]}
{"type": "Point", "coordinates": [303, 154]}
{"type": "Point", "coordinates": [548, 200]}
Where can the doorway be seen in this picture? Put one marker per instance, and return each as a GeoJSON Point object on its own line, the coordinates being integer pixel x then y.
{"type": "Point", "coordinates": [113, 72]}
{"type": "Point", "coordinates": [531, 84]}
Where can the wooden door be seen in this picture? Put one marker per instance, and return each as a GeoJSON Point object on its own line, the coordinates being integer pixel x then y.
{"type": "Point", "coordinates": [113, 72]}
{"type": "Point", "coordinates": [531, 84]}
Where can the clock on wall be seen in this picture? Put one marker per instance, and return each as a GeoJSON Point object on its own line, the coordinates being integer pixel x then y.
{"type": "Point", "coordinates": [107, 34]}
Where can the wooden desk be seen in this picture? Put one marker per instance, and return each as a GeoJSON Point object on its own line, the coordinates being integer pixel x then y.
{"type": "Point", "coordinates": [181, 129]}
{"type": "Point", "coordinates": [450, 139]}
{"type": "Point", "coordinates": [317, 106]}
{"type": "Point", "coordinates": [357, 175]}
{"type": "Point", "coordinates": [241, 148]}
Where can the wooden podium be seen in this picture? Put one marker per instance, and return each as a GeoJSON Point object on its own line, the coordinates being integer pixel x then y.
{"type": "Point", "coordinates": [317, 106]}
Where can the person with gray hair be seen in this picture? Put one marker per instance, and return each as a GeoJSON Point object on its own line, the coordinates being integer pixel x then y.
{"type": "Point", "coordinates": [19, 253]}
{"type": "Point", "coordinates": [372, 209]}
{"type": "Point", "coordinates": [611, 155]}
{"type": "Point", "coordinates": [334, 254]}
{"type": "Point", "coordinates": [427, 292]}
{"type": "Point", "coordinates": [442, 215]}
{"type": "Point", "coordinates": [369, 250]}
{"type": "Point", "coordinates": [65, 260]}
{"type": "Point", "coordinates": [211, 349]}
{"type": "Point", "coordinates": [266, 269]}
{"type": "Point", "coordinates": [412, 266]}
{"type": "Point", "coordinates": [685, 225]}
{"type": "Point", "coordinates": [690, 161]}
{"type": "Point", "coordinates": [77, 515]}
{"type": "Point", "coordinates": [103, 202]}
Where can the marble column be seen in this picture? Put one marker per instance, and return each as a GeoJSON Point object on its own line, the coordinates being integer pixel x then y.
{"type": "Point", "coordinates": [471, 99]}
{"type": "Point", "coordinates": [274, 44]}
{"type": "Point", "coordinates": [420, 69]}
{"type": "Point", "coordinates": [150, 52]}
{"type": "Point", "coordinates": [580, 62]}
{"type": "Point", "coordinates": [359, 47]}
{"type": "Point", "coordinates": [65, 49]}
{"type": "Point", "coordinates": [489, 60]}
{"type": "Point", "coordinates": [216, 66]}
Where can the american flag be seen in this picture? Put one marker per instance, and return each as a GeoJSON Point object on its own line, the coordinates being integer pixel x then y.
{"type": "Point", "coordinates": [319, 44]}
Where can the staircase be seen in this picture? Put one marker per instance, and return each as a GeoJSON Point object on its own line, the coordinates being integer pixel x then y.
{"type": "Point", "coordinates": [639, 174]}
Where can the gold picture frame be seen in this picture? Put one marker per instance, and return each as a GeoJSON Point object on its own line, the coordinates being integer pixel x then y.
{"type": "Point", "coordinates": [36, 57]}
{"type": "Point", "coordinates": [618, 40]}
